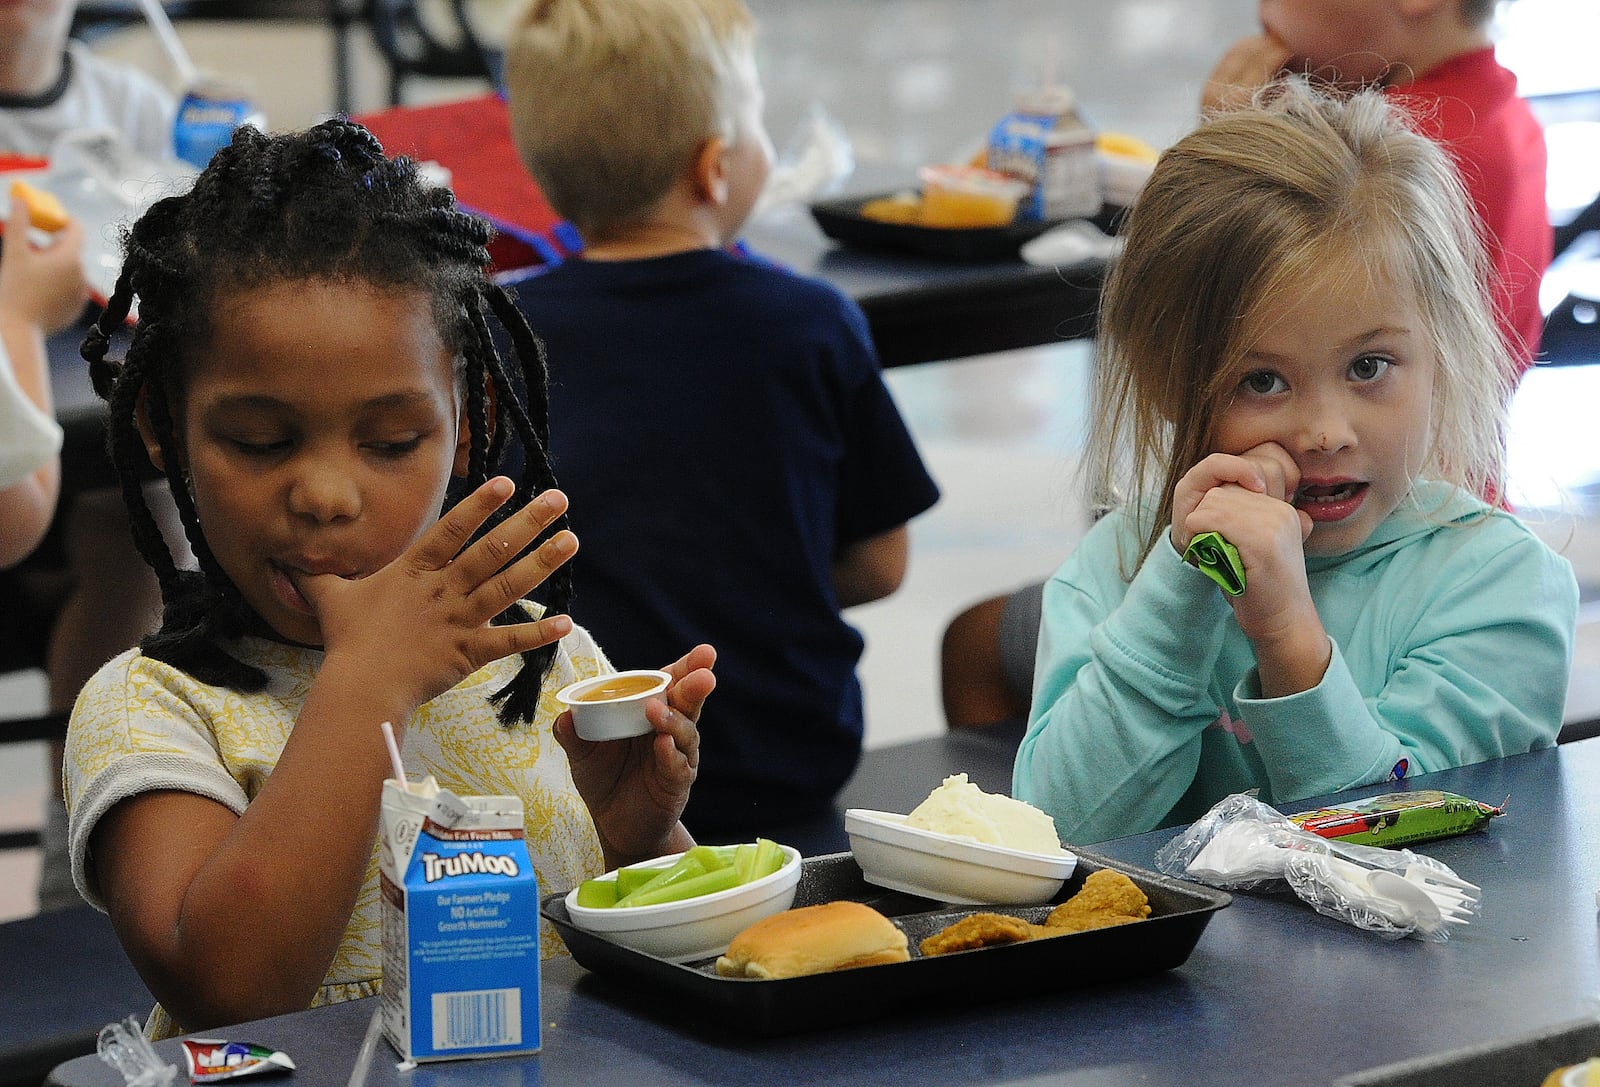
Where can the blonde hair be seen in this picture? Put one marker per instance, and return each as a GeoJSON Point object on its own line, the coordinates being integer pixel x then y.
{"type": "Point", "coordinates": [1300, 187]}
{"type": "Point", "coordinates": [611, 99]}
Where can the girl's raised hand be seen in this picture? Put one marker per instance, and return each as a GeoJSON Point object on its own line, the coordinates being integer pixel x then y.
{"type": "Point", "coordinates": [1248, 65]}
{"type": "Point", "coordinates": [1249, 499]}
{"type": "Point", "coordinates": [420, 625]}
{"type": "Point", "coordinates": [636, 789]}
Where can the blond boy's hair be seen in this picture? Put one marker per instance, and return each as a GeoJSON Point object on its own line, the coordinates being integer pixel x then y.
{"type": "Point", "coordinates": [611, 99]}
{"type": "Point", "coordinates": [1301, 189]}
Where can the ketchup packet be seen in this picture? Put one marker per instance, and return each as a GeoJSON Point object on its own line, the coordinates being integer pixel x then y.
{"type": "Point", "coordinates": [1399, 818]}
{"type": "Point", "coordinates": [212, 1059]}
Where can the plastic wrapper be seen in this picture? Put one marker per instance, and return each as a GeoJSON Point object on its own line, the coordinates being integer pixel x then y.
{"type": "Point", "coordinates": [1393, 819]}
{"type": "Point", "coordinates": [816, 161]}
{"type": "Point", "coordinates": [124, 1047]}
{"type": "Point", "coordinates": [1243, 844]}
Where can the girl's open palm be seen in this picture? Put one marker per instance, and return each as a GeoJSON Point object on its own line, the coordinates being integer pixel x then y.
{"type": "Point", "coordinates": [420, 625]}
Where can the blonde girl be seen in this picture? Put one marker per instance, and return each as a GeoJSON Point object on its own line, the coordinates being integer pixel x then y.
{"type": "Point", "coordinates": [1296, 353]}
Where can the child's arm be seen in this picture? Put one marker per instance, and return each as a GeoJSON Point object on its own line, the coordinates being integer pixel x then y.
{"type": "Point", "coordinates": [41, 290]}
{"type": "Point", "coordinates": [1124, 687]}
{"type": "Point", "coordinates": [636, 789]}
{"type": "Point", "coordinates": [871, 569]}
{"type": "Point", "coordinates": [230, 918]}
{"type": "Point", "coordinates": [1462, 655]}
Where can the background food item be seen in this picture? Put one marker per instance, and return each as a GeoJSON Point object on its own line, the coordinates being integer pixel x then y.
{"type": "Point", "coordinates": [45, 212]}
{"type": "Point", "coordinates": [1586, 1074]}
{"type": "Point", "coordinates": [968, 196]}
{"type": "Point", "coordinates": [814, 940]}
{"type": "Point", "coordinates": [958, 807]}
{"type": "Point", "coordinates": [901, 208]}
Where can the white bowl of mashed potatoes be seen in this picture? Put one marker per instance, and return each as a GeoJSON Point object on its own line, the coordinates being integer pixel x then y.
{"type": "Point", "coordinates": [962, 845]}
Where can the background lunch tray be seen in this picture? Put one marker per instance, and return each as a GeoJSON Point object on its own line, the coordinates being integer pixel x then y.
{"type": "Point", "coordinates": [1179, 913]}
{"type": "Point", "coordinates": [1523, 1061]}
{"type": "Point", "coordinates": [842, 221]}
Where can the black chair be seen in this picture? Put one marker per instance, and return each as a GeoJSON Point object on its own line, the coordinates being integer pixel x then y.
{"type": "Point", "coordinates": [31, 729]}
{"type": "Point", "coordinates": [413, 48]}
{"type": "Point", "coordinates": [1572, 328]}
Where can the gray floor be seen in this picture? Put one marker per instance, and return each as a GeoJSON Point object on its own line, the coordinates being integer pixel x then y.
{"type": "Point", "coordinates": [916, 81]}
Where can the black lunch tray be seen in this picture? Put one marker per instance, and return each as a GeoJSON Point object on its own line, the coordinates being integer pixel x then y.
{"type": "Point", "coordinates": [842, 221]}
{"type": "Point", "coordinates": [1179, 913]}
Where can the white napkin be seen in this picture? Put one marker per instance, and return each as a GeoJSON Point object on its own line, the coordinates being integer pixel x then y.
{"type": "Point", "coordinates": [28, 437]}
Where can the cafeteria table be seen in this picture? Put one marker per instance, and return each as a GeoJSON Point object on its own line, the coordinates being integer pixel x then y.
{"type": "Point", "coordinates": [1272, 994]}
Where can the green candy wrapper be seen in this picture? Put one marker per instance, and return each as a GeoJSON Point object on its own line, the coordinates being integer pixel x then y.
{"type": "Point", "coordinates": [1218, 560]}
{"type": "Point", "coordinates": [1395, 819]}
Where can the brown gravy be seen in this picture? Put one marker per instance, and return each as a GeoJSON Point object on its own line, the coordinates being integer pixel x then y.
{"type": "Point", "coordinates": [616, 687]}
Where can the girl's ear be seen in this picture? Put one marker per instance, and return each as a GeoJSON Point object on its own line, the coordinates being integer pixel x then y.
{"type": "Point", "coordinates": [147, 433]}
{"type": "Point", "coordinates": [460, 468]}
{"type": "Point", "coordinates": [710, 173]}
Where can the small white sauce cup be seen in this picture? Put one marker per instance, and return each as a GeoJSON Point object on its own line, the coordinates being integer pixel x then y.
{"type": "Point", "coordinates": [611, 707]}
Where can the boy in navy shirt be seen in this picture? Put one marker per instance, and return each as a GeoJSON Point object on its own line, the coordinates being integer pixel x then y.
{"type": "Point", "coordinates": [790, 473]}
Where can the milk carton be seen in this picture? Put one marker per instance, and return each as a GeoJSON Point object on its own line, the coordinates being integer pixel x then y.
{"type": "Point", "coordinates": [1045, 143]}
{"type": "Point", "coordinates": [460, 926]}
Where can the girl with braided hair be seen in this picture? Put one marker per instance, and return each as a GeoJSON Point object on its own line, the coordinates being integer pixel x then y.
{"type": "Point", "coordinates": [312, 366]}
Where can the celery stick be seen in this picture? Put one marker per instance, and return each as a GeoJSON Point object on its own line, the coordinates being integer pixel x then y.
{"type": "Point", "coordinates": [685, 867]}
{"type": "Point", "coordinates": [693, 887]}
{"type": "Point", "coordinates": [769, 857]}
{"type": "Point", "coordinates": [597, 894]}
{"type": "Point", "coordinates": [632, 878]}
{"type": "Point", "coordinates": [711, 857]}
{"type": "Point", "coordinates": [744, 861]}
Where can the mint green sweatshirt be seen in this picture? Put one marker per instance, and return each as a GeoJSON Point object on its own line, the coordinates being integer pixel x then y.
{"type": "Point", "coordinates": [1452, 630]}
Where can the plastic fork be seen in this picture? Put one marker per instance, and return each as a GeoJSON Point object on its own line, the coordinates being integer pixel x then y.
{"type": "Point", "coordinates": [1401, 902]}
{"type": "Point", "coordinates": [1448, 890]}
{"type": "Point", "coordinates": [1428, 913]}
{"type": "Point", "coordinates": [1459, 896]}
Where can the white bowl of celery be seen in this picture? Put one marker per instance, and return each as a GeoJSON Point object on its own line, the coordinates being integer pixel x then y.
{"type": "Point", "coordinates": [688, 905]}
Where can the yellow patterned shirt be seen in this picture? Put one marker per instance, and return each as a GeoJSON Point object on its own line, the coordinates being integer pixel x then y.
{"type": "Point", "coordinates": [141, 725]}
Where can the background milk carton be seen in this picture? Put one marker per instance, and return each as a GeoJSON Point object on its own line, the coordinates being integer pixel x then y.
{"type": "Point", "coordinates": [460, 926]}
{"type": "Point", "coordinates": [1044, 142]}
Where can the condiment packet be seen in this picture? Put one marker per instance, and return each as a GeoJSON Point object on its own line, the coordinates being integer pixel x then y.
{"type": "Point", "coordinates": [212, 1059]}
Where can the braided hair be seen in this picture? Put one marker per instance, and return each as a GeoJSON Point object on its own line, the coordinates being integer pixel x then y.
{"type": "Point", "coordinates": [323, 204]}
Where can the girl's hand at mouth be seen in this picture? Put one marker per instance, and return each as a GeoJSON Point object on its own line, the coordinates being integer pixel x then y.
{"type": "Point", "coordinates": [1248, 498]}
{"type": "Point", "coordinates": [420, 625]}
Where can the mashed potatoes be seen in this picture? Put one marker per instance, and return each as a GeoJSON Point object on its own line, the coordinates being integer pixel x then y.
{"type": "Point", "coordinates": [961, 809]}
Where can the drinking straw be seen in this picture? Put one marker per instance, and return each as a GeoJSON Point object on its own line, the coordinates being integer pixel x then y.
{"type": "Point", "coordinates": [156, 16]}
{"type": "Point", "coordinates": [369, 1042]}
{"type": "Point", "coordinates": [394, 756]}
